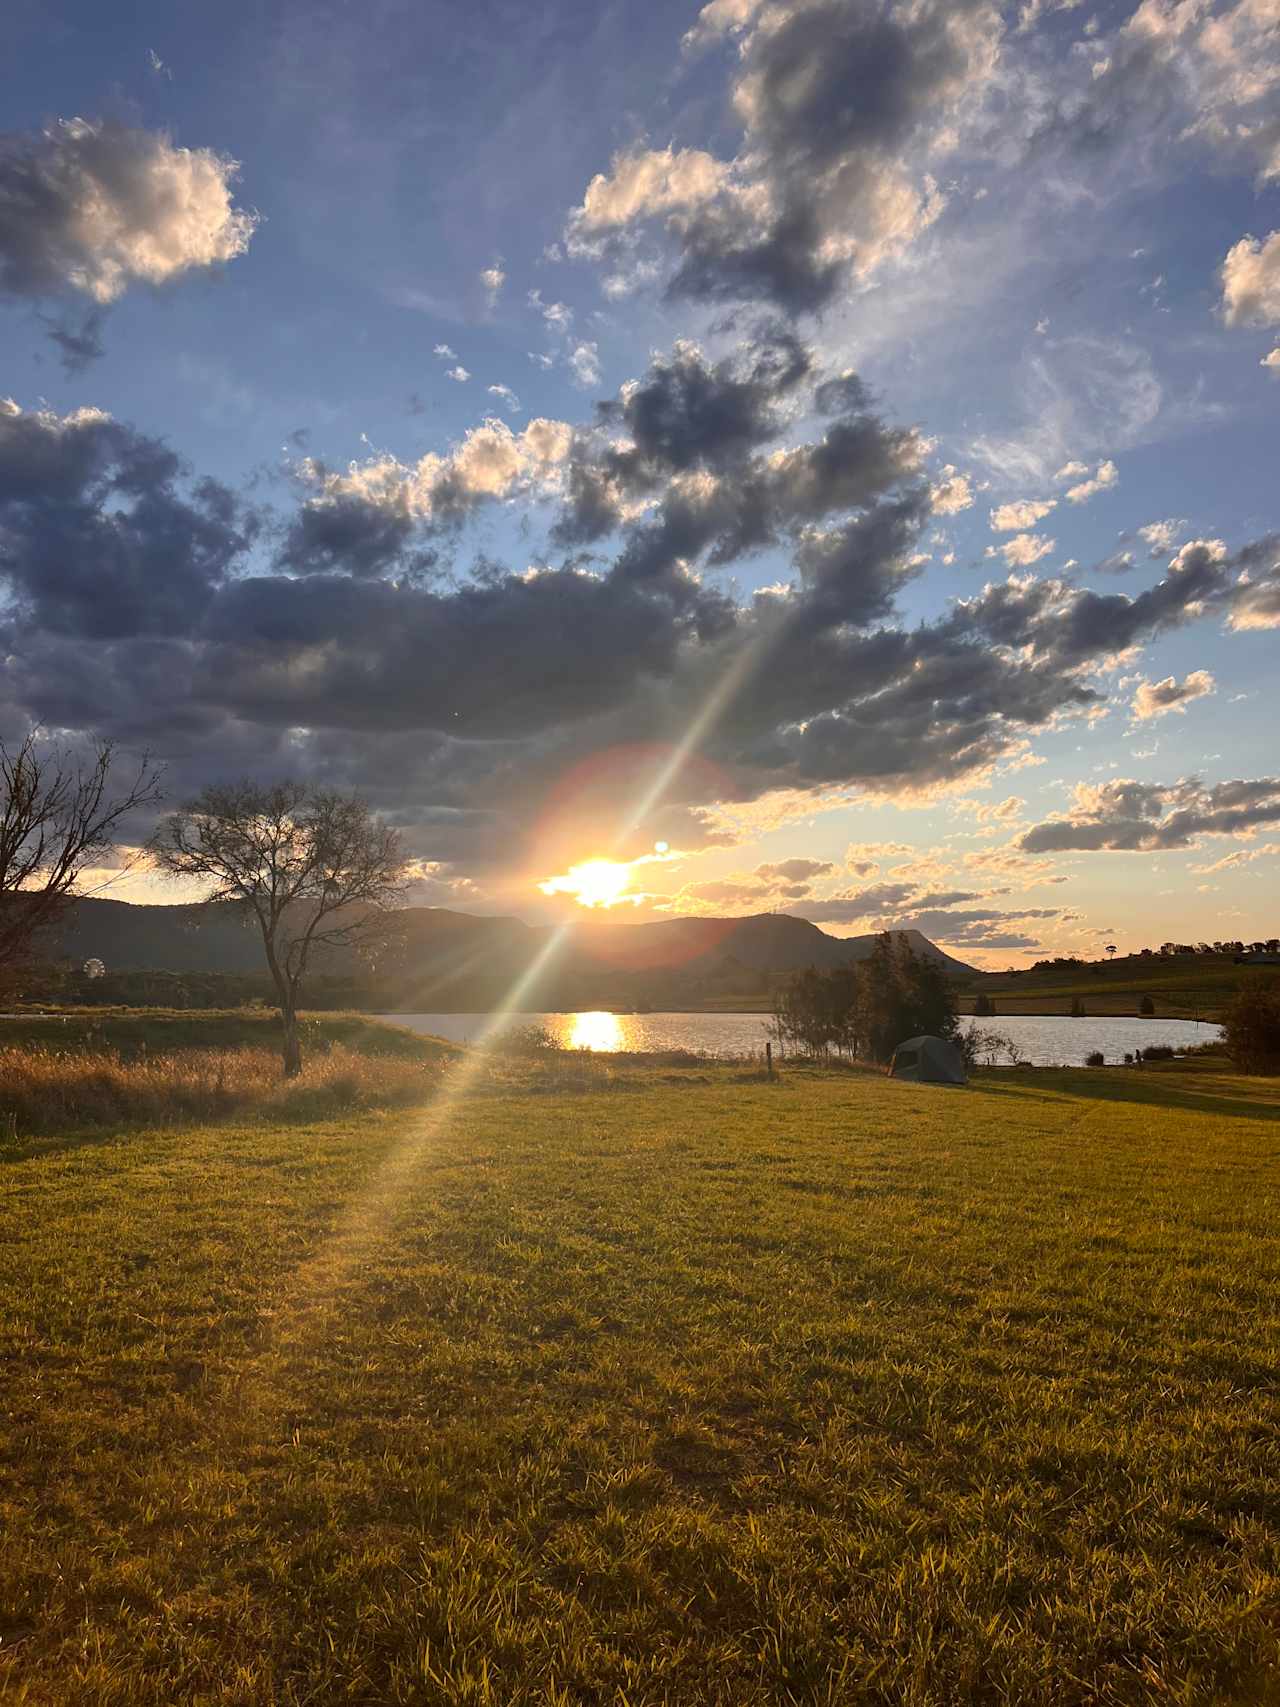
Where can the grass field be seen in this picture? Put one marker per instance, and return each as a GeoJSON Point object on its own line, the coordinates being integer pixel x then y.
{"type": "Point", "coordinates": [1182, 986]}
{"type": "Point", "coordinates": [687, 1389]}
{"type": "Point", "coordinates": [134, 1031]}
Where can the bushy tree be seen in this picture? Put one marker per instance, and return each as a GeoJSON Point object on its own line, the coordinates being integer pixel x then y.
{"type": "Point", "coordinates": [869, 1008]}
{"type": "Point", "coordinates": [983, 1007]}
{"type": "Point", "coordinates": [1252, 1026]}
{"type": "Point", "coordinates": [814, 1012]}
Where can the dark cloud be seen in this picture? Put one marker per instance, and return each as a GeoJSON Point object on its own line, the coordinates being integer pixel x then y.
{"type": "Point", "coordinates": [688, 413]}
{"type": "Point", "coordinates": [99, 536]}
{"type": "Point", "coordinates": [696, 451]}
{"type": "Point", "coordinates": [1127, 816]}
{"type": "Point", "coordinates": [347, 533]}
{"type": "Point", "coordinates": [141, 606]}
{"type": "Point", "coordinates": [794, 870]}
{"type": "Point", "coordinates": [839, 103]}
{"type": "Point", "coordinates": [78, 340]}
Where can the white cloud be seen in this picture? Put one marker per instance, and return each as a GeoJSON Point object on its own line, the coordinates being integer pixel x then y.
{"type": "Point", "coordinates": [458, 373]}
{"type": "Point", "coordinates": [584, 365]}
{"type": "Point", "coordinates": [1072, 471]}
{"type": "Point", "coordinates": [642, 184]}
{"type": "Point", "coordinates": [1022, 514]}
{"type": "Point", "coordinates": [1023, 549]}
{"type": "Point", "coordinates": [1251, 282]}
{"type": "Point", "coordinates": [1154, 699]}
{"type": "Point", "coordinates": [556, 314]}
{"type": "Point", "coordinates": [1272, 361]}
{"type": "Point", "coordinates": [507, 397]}
{"type": "Point", "coordinates": [952, 493]}
{"type": "Point", "coordinates": [492, 279]}
{"type": "Point", "coordinates": [490, 462]}
{"type": "Point", "coordinates": [94, 208]}
{"type": "Point", "coordinates": [541, 360]}
{"type": "Point", "coordinates": [1161, 537]}
{"type": "Point", "coordinates": [445, 353]}
{"type": "Point", "coordinates": [720, 18]}
{"type": "Point", "coordinates": [1106, 475]}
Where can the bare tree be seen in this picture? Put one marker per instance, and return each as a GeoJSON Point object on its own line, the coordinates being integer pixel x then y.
{"type": "Point", "coordinates": [314, 869]}
{"type": "Point", "coordinates": [58, 816]}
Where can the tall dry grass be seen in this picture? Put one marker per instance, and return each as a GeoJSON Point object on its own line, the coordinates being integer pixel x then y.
{"type": "Point", "coordinates": [52, 1090]}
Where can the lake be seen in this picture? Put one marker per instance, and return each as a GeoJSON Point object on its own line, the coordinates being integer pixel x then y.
{"type": "Point", "coordinates": [1042, 1041]}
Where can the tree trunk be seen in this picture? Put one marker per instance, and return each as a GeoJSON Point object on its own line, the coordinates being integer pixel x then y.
{"type": "Point", "coordinates": [290, 1042]}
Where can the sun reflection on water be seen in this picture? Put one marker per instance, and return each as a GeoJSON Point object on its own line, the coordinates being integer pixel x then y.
{"type": "Point", "coordinates": [595, 1031]}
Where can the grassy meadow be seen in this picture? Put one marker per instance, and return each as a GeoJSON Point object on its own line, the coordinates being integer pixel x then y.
{"type": "Point", "coordinates": [652, 1386]}
{"type": "Point", "coordinates": [1181, 986]}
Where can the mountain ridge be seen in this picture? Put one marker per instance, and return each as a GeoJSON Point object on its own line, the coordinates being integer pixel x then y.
{"type": "Point", "coordinates": [198, 937]}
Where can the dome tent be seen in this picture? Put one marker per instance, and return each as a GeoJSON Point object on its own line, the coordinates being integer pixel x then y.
{"type": "Point", "coordinates": [928, 1060]}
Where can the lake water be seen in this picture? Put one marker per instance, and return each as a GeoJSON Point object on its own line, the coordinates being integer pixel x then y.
{"type": "Point", "coordinates": [1042, 1041]}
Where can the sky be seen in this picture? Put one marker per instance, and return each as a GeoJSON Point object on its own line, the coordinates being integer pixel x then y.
{"type": "Point", "coordinates": [810, 456]}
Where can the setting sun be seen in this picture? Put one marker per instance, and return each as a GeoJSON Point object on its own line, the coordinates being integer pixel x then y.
{"type": "Point", "coordinates": [594, 883]}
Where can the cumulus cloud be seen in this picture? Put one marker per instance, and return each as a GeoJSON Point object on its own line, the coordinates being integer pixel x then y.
{"type": "Point", "coordinates": [362, 518]}
{"type": "Point", "coordinates": [1105, 475]}
{"type": "Point", "coordinates": [101, 536]}
{"type": "Point", "coordinates": [824, 189]}
{"type": "Point", "coordinates": [743, 892]}
{"type": "Point", "coordinates": [645, 183]}
{"type": "Point", "coordinates": [492, 280]}
{"type": "Point", "coordinates": [794, 870]}
{"type": "Point", "coordinates": [506, 396]}
{"type": "Point", "coordinates": [1251, 282]}
{"type": "Point", "coordinates": [558, 315]}
{"type": "Point", "coordinates": [1255, 597]}
{"type": "Point", "coordinates": [133, 602]}
{"type": "Point", "coordinates": [1009, 518]}
{"type": "Point", "coordinates": [951, 494]}
{"type": "Point", "coordinates": [1180, 73]}
{"type": "Point", "coordinates": [584, 365]}
{"type": "Point", "coordinates": [1154, 699]}
{"type": "Point", "coordinates": [1160, 537]}
{"type": "Point", "coordinates": [1023, 549]}
{"type": "Point", "coordinates": [92, 208]}
{"type": "Point", "coordinates": [1129, 816]}
{"type": "Point", "coordinates": [458, 374]}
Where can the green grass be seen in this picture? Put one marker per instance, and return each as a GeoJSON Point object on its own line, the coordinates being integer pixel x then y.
{"type": "Point", "coordinates": [694, 1389]}
{"type": "Point", "coordinates": [1183, 986]}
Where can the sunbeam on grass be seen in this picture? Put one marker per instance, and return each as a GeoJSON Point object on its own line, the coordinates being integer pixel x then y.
{"type": "Point", "coordinates": [701, 1389]}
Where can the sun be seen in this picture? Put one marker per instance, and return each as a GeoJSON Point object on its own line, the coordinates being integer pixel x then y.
{"type": "Point", "coordinates": [594, 883]}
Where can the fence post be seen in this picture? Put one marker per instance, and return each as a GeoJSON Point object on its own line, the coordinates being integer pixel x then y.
{"type": "Point", "coordinates": [768, 1057]}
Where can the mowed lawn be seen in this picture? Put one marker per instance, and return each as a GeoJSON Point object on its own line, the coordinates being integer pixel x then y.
{"type": "Point", "coordinates": [693, 1389]}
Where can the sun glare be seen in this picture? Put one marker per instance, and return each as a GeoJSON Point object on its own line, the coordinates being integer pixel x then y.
{"type": "Point", "coordinates": [599, 1031]}
{"type": "Point", "coordinates": [594, 883]}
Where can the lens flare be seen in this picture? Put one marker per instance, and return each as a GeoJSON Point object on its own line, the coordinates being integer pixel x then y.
{"type": "Point", "coordinates": [594, 883]}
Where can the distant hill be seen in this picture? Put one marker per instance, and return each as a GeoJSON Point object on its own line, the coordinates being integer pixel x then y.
{"type": "Point", "coordinates": [435, 958]}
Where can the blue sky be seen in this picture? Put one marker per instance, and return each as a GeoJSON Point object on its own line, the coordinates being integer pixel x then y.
{"type": "Point", "coordinates": [1040, 237]}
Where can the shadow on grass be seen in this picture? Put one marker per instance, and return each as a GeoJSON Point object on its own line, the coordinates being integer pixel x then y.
{"type": "Point", "coordinates": [1201, 1090]}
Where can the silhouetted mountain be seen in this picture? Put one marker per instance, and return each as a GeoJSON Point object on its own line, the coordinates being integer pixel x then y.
{"type": "Point", "coordinates": [433, 958]}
